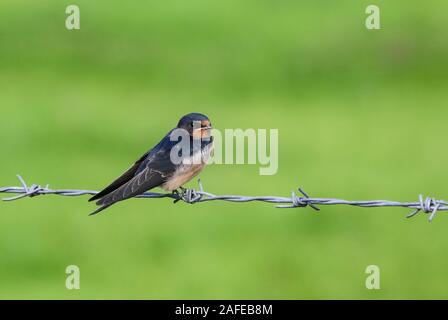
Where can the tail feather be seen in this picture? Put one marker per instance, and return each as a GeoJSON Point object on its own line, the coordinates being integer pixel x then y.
{"type": "Point", "coordinates": [98, 210]}
{"type": "Point", "coordinates": [110, 199]}
{"type": "Point", "coordinates": [105, 202]}
{"type": "Point", "coordinates": [145, 180]}
{"type": "Point", "coordinates": [123, 179]}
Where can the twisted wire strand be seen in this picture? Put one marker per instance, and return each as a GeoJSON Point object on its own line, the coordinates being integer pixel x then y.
{"type": "Point", "coordinates": [426, 205]}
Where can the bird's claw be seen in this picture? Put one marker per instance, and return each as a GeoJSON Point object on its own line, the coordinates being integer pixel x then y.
{"type": "Point", "coordinates": [179, 194]}
{"type": "Point", "coordinates": [187, 195]}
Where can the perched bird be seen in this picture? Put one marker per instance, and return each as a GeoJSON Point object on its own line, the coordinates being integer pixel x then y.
{"type": "Point", "coordinates": [175, 160]}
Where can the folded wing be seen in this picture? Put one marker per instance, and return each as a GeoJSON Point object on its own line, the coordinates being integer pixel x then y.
{"type": "Point", "coordinates": [150, 171]}
{"type": "Point", "coordinates": [145, 180]}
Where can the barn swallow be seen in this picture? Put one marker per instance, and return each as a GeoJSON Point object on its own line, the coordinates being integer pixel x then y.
{"type": "Point", "coordinates": [158, 168]}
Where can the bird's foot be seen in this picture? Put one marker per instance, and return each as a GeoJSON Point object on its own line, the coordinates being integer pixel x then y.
{"type": "Point", "coordinates": [187, 195]}
{"type": "Point", "coordinates": [179, 194]}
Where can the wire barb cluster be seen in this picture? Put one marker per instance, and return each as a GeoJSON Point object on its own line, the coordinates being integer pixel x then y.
{"type": "Point", "coordinates": [426, 205]}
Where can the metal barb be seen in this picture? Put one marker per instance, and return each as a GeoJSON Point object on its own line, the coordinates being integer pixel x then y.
{"type": "Point", "coordinates": [191, 196]}
{"type": "Point", "coordinates": [32, 191]}
{"type": "Point", "coordinates": [307, 199]}
{"type": "Point", "coordinates": [299, 202]}
{"type": "Point", "coordinates": [429, 206]}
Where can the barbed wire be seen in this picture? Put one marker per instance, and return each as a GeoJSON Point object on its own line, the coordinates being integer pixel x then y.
{"type": "Point", "coordinates": [426, 205]}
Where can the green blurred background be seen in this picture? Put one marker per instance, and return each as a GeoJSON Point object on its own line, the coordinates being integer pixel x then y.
{"type": "Point", "coordinates": [361, 115]}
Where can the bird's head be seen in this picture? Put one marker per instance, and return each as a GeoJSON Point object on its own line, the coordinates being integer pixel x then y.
{"type": "Point", "coordinates": [196, 124]}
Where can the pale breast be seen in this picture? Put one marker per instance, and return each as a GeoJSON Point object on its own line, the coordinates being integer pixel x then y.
{"type": "Point", "coordinates": [190, 168]}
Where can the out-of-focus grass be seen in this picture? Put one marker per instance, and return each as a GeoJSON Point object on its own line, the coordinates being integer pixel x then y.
{"type": "Point", "coordinates": [361, 115]}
